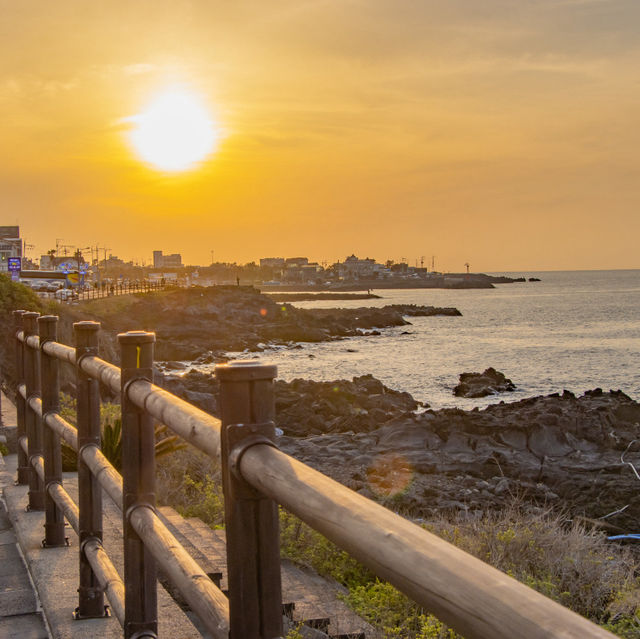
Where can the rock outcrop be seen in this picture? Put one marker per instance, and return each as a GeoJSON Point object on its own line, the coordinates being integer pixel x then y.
{"type": "Point", "coordinates": [304, 407]}
{"type": "Point", "coordinates": [491, 382]}
{"type": "Point", "coordinates": [189, 322]}
{"type": "Point", "coordinates": [561, 450]}
{"type": "Point", "coordinates": [555, 450]}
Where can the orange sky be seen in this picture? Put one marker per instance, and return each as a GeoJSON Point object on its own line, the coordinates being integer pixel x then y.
{"type": "Point", "coordinates": [499, 132]}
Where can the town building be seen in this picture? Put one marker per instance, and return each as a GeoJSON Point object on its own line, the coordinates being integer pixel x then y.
{"type": "Point", "coordinates": [296, 261]}
{"type": "Point", "coordinates": [272, 262]}
{"type": "Point", "coordinates": [354, 268]}
{"type": "Point", "coordinates": [173, 260]}
{"type": "Point", "coordinates": [10, 245]}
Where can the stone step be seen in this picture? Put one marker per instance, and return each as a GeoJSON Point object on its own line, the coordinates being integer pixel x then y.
{"type": "Point", "coordinates": [192, 542]}
{"type": "Point", "coordinates": [183, 533]}
{"type": "Point", "coordinates": [314, 599]}
{"type": "Point", "coordinates": [211, 543]}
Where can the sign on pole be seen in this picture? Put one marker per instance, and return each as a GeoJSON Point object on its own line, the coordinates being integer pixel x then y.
{"type": "Point", "coordinates": [14, 263]}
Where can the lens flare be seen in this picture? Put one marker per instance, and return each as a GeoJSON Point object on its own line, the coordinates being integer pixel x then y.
{"type": "Point", "coordinates": [390, 474]}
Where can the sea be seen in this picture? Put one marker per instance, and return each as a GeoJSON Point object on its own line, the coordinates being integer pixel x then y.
{"type": "Point", "coordinates": [573, 330]}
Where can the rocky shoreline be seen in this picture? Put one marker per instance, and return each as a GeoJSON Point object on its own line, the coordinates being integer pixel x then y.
{"type": "Point", "coordinates": [559, 450]}
{"type": "Point", "coordinates": [433, 280]}
{"type": "Point", "coordinates": [218, 319]}
{"type": "Point", "coordinates": [316, 297]}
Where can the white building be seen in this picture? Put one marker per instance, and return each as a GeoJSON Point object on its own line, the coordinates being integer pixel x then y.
{"type": "Point", "coordinates": [10, 245]}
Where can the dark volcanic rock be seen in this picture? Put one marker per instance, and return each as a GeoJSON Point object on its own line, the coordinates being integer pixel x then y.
{"type": "Point", "coordinates": [562, 450]}
{"type": "Point", "coordinates": [216, 319]}
{"type": "Point", "coordinates": [200, 389]}
{"type": "Point", "coordinates": [558, 450]}
{"type": "Point", "coordinates": [304, 407]}
{"type": "Point", "coordinates": [491, 382]}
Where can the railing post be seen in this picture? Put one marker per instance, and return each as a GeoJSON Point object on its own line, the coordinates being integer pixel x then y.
{"type": "Point", "coordinates": [33, 427]}
{"type": "Point", "coordinates": [90, 599]}
{"type": "Point", "coordinates": [23, 463]}
{"type": "Point", "coordinates": [138, 479]}
{"type": "Point", "coordinates": [50, 380]}
{"type": "Point", "coordinates": [253, 549]}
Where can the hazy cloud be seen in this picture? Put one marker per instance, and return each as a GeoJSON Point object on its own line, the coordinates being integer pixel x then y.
{"type": "Point", "coordinates": [139, 68]}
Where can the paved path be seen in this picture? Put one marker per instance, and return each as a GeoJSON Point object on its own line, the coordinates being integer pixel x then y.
{"type": "Point", "coordinates": [20, 612]}
{"type": "Point", "coordinates": [54, 571]}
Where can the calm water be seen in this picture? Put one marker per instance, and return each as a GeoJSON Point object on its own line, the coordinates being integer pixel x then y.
{"type": "Point", "coordinates": [574, 329]}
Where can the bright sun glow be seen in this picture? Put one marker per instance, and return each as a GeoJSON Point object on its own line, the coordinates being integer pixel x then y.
{"type": "Point", "coordinates": [174, 132]}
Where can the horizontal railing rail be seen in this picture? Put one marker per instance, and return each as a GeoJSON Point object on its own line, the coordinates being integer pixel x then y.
{"type": "Point", "coordinates": [470, 596]}
{"type": "Point", "coordinates": [102, 290]}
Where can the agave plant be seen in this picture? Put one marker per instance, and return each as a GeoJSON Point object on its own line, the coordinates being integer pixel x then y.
{"type": "Point", "coordinates": [167, 444]}
{"type": "Point", "coordinates": [111, 444]}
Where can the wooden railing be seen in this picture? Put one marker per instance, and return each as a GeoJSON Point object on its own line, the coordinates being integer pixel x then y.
{"type": "Point", "coordinates": [106, 289]}
{"type": "Point", "coordinates": [473, 598]}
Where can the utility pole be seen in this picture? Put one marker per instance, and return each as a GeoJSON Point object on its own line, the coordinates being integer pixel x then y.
{"type": "Point", "coordinates": [467, 265]}
{"type": "Point", "coordinates": [102, 248]}
{"type": "Point", "coordinates": [64, 248]}
{"type": "Point", "coordinates": [78, 254]}
{"type": "Point", "coordinates": [422, 261]}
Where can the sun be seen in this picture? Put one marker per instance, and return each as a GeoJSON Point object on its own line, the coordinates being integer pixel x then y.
{"type": "Point", "coordinates": [175, 132]}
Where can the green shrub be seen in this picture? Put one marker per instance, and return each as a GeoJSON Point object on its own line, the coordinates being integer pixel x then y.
{"type": "Point", "coordinates": [295, 633]}
{"type": "Point", "coordinates": [549, 552]}
{"type": "Point", "coordinates": [395, 614]}
{"type": "Point", "coordinates": [204, 500]}
{"type": "Point", "coordinates": [303, 545]}
{"type": "Point", "coordinates": [545, 550]}
{"type": "Point", "coordinates": [189, 481]}
{"type": "Point", "coordinates": [13, 296]}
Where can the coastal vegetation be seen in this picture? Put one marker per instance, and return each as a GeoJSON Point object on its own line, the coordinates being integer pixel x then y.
{"type": "Point", "coordinates": [544, 548]}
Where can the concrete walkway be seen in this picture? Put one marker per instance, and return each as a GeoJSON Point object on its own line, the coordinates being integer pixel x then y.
{"type": "Point", "coordinates": [38, 586]}
{"type": "Point", "coordinates": [20, 611]}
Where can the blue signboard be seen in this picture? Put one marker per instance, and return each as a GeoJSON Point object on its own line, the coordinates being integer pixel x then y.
{"type": "Point", "coordinates": [14, 263]}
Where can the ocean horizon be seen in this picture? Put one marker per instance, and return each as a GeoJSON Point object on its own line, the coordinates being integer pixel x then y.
{"type": "Point", "coordinates": [573, 330]}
